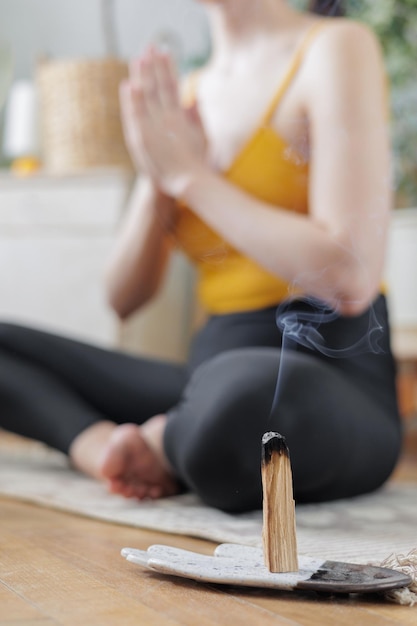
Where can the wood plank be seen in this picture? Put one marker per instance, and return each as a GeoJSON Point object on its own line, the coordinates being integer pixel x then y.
{"type": "Point", "coordinates": [17, 609]}
{"type": "Point", "coordinates": [84, 556]}
{"type": "Point", "coordinates": [64, 592]}
{"type": "Point", "coordinates": [403, 615]}
{"type": "Point", "coordinates": [30, 622]}
{"type": "Point", "coordinates": [316, 610]}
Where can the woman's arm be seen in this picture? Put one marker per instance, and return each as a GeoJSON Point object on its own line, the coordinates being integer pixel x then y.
{"type": "Point", "coordinates": [142, 249]}
{"type": "Point", "coordinates": [336, 252]}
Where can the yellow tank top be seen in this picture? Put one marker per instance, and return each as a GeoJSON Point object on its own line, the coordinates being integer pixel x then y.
{"type": "Point", "coordinates": [268, 169]}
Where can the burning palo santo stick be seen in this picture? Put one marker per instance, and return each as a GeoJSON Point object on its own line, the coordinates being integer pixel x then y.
{"type": "Point", "coordinates": [279, 534]}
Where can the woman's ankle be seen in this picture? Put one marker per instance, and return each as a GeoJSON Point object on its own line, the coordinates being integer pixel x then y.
{"type": "Point", "coordinates": [153, 433]}
{"type": "Point", "coordinates": [87, 448]}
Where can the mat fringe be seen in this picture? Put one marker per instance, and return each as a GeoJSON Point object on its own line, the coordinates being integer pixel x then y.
{"type": "Point", "coordinates": [406, 564]}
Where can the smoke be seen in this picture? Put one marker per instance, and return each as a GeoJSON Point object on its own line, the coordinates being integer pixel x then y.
{"type": "Point", "coordinates": [312, 324]}
{"type": "Point", "coordinates": [301, 321]}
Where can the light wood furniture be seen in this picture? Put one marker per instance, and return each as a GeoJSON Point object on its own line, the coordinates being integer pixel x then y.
{"type": "Point", "coordinates": [401, 261]}
{"type": "Point", "coordinates": [404, 345]}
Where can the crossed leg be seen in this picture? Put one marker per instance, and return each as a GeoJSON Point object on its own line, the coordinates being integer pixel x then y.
{"type": "Point", "coordinates": [96, 405]}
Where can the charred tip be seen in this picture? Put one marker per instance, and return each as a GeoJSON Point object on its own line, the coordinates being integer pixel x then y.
{"type": "Point", "coordinates": [273, 442]}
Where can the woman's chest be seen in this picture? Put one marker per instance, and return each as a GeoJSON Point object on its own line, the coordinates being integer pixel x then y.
{"type": "Point", "coordinates": [234, 109]}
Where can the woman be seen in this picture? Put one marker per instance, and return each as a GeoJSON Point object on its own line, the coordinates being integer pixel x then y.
{"type": "Point", "coordinates": [275, 180]}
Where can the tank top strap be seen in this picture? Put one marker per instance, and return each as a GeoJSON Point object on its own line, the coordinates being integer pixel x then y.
{"type": "Point", "coordinates": [293, 68]}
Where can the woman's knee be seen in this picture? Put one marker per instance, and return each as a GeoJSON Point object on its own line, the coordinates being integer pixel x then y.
{"type": "Point", "coordinates": [6, 328]}
{"type": "Point", "coordinates": [214, 438]}
{"type": "Point", "coordinates": [230, 401]}
{"type": "Point", "coordinates": [10, 333]}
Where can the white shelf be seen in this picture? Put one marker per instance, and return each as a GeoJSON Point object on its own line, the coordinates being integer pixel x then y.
{"type": "Point", "coordinates": [55, 237]}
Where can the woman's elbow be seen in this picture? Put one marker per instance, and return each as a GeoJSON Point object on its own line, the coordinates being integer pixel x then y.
{"type": "Point", "coordinates": [356, 290]}
{"type": "Point", "coordinates": [125, 302]}
{"type": "Point", "coordinates": [119, 300]}
{"type": "Point", "coordinates": [118, 305]}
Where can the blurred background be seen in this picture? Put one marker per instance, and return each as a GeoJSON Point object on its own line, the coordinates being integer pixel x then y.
{"type": "Point", "coordinates": [33, 32]}
{"type": "Point", "coordinates": [37, 33]}
{"type": "Point", "coordinates": [77, 28]}
{"type": "Point", "coordinates": [65, 175]}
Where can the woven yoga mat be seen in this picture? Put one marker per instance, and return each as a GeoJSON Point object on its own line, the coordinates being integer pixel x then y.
{"type": "Point", "coordinates": [365, 529]}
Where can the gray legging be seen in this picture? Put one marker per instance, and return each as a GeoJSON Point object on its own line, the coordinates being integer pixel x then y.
{"type": "Point", "coordinates": [339, 415]}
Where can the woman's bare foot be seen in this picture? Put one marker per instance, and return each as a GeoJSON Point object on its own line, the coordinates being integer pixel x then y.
{"type": "Point", "coordinates": [134, 462]}
{"type": "Point", "coordinates": [128, 457]}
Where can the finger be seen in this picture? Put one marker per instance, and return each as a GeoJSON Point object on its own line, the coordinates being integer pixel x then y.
{"type": "Point", "coordinates": [140, 106]}
{"type": "Point", "coordinates": [131, 124]}
{"type": "Point", "coordinates": [133, 110]}
{"type": "Point", "coordinates": [166, 81]}
{"type": "Point", "coordinates": [148, 83]}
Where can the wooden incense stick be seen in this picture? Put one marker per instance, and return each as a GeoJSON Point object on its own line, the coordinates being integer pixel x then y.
{"type": "Point", "coordinates": [279, 534]}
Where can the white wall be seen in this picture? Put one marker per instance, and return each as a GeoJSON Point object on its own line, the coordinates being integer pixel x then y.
{"type": "Point", "coordinates": [72, 28]}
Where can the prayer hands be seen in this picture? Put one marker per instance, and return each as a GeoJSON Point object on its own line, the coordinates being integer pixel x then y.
{"type": "Point", "coordinates": [165, 140]}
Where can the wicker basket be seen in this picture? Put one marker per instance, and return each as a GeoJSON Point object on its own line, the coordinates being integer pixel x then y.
{"type": "Point", "coordinates": [80, 114]}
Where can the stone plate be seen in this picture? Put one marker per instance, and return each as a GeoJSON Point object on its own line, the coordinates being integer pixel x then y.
{"type": "Point", "coordinates": [234, 564]}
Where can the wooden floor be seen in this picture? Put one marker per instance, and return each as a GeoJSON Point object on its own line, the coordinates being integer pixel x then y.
{"type": "Point", "coordinates": [57, 568]}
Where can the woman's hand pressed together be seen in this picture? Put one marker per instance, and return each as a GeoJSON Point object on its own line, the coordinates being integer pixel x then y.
{"type": "Point", "coordinates": [165, 140]}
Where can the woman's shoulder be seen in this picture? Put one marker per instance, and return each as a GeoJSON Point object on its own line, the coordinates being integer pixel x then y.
{"type": "Point", "coordinates": [344, 38]}
{"type": "Point", "coordinates": [346, 52]}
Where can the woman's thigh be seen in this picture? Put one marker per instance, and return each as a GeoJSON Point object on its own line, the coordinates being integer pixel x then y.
{"type": "Point", "coordinates": [119, 386]}
{"type": "Point", "coordinates": [341, 442]}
